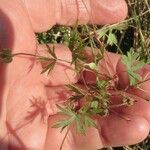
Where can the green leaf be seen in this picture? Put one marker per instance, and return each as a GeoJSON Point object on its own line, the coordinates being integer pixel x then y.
{"type": "Point", "coordinates": [64, 123]}
{"type": "Point", "coordinates": [79, 125]}
{"type": "Point", "coordinates": [127, 62]}
{"type": "Point", "coordinates": [75, 89]}
{"type": "Point", "coordinates": [99, 111]}
{"type": "Point", "coordinates": [138, 66]}
{"type": "Point", "coordinates": [130, 56]}
{"type": "Point", "coordinates": [83, 121]}
{"type": "Point", "coordinates": [49, 67]}
{"type": "Point", "coordinates": [134, 78]}
{"type": "Point", "coordinates": [148, 60]}
{"type": "Point", "coordinates": [66, 110]}
{"type": "Point", "coordinates": [89, 122]}
{"type": "Point", "coordinates": [102, 32]}
{"type": "Point", "coordinates": [120, 27]}
{"type": "Point", "coordinates": [133, 64]}
{"type": "Point", "coordinates": [92, 66]}
{"type": "Point", "coordinates": [101, 84]}
{"type": "Point", "coordinates": [112, 39]}
{"type": "Point", "coordinates": [94, 104]}
{"type": "Point", "coordinates": [51, 51]}
{"type": "Point", "coordinates": [76, 97]}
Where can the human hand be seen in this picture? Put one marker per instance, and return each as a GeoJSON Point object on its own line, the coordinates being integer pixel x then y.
{"type": "Point", "coordinates": [23, 86]}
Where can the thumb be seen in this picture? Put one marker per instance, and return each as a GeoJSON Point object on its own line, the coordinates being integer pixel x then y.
{"type": "Point", "coordinates": [16, 31]}
{"type": "Point", "coordinates": [46, 13]}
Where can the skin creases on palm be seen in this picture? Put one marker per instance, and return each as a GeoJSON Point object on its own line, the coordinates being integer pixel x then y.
{"type": "Point", "coordinates": [32, 98]}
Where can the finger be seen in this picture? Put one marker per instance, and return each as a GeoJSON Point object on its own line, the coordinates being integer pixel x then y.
{"type": "Point", "coordinates": [114, 131]}
{"type": "Point", "coordinates": [112, 66]}
{"type": "Point", "coordinates": [140, 107]}
{"type": "Point", "coordinates": [16, 33]}
{"type": "Point", "coordinates": [106, 67]}
{"type": "Point", "coordinates": [63, 72]}
{"type": "Point", "coordinates": [45, 14]}
{"type": "Point", "coordinates": [117, 131]}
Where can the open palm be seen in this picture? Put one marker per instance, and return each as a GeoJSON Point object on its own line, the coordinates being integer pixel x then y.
{"type": "Point", "coordinates": [28, 97]}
